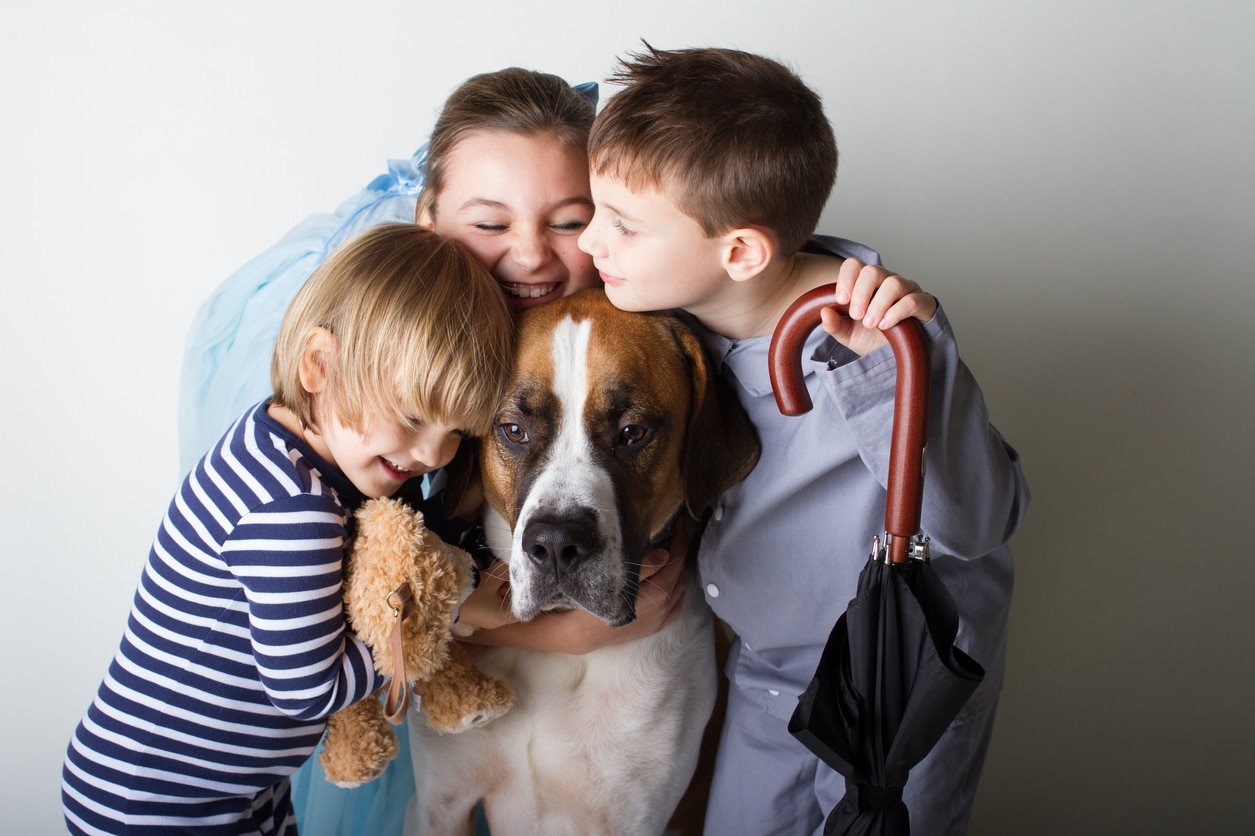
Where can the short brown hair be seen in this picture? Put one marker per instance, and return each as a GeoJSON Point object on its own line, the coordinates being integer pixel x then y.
{"type": "Point", "coordinates": [421, 331]}
{"type": "Point", "coordinates": [513, 101]}
{"type": "Point", "coordinates": [735, 139]}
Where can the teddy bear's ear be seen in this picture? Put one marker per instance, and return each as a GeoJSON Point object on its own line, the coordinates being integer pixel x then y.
{"type": "Point", "coordinates": [463, 493]}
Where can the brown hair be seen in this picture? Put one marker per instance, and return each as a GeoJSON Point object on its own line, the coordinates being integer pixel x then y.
{"type": "Point", "coordinates": [513, 100]}
{"type": "Point", "coordinates": [735, 139]}
{"type": "Point", "coordinates": [421, 331]}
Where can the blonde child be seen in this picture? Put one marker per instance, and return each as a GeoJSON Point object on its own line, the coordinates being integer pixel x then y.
{"type": "Point", "coordinates": [235, 651]}
{"type": "Point", "coordinates": [505, 172]}
{"type": "Point", "coordinates": [709, 172]}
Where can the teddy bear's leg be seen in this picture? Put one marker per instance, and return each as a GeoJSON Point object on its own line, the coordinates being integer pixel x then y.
{"type": "Point", "coordinates": [359, 744]}
{"type": "Point", "coordinates": [460, 696]}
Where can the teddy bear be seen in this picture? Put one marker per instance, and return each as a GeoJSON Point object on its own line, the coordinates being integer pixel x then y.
{"type": "Point", "coordinates": [402, 590]}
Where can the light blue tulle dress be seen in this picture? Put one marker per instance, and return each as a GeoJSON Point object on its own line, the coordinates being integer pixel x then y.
{"type": "Point", "coordinates": [226, 364]}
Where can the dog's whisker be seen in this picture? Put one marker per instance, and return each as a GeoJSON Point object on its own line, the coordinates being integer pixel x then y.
{"type": "Point", "coordinates": [666, 593]}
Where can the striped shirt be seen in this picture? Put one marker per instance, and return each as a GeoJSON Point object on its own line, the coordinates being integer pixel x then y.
{"type": "Point", "coordinates": [235, 651]}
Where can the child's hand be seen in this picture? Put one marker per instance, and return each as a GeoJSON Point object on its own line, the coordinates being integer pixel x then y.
{"type": "Point", "coordinates": [486, 608]}
{"type": "Point", "coordinates": [877, 301]}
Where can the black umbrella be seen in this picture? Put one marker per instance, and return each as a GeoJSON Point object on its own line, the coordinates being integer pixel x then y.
{"type": "Point", "coordinates": [890, 680]}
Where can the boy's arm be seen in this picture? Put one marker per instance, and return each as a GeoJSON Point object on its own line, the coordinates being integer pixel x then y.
{"type": "Point", "coordinates": [975, 494]}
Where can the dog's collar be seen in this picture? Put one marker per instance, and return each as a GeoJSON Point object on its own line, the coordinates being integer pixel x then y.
{"type": "Point", "coordinates": [474, 541]}
{"type": "Point", "coordinates": [662, 540]}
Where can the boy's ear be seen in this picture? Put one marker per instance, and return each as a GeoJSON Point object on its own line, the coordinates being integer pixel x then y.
{"type": "Point", "coordinates": [747, 252]}
{"type": "Point", "coordinates": [320, 344]}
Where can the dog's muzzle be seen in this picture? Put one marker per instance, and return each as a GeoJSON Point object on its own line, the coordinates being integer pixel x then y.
{"type": "Point", "coordinates": [567, 564]}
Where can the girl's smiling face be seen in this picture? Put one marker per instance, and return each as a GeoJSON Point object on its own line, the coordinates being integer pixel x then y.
{"type": "Point", "coordinates": [519, 203]}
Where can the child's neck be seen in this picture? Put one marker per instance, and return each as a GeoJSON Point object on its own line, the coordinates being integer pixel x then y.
{"type": "Point", "coordinates": [292, 422]}
{"type": "Point", "coordinates": [757, 304]}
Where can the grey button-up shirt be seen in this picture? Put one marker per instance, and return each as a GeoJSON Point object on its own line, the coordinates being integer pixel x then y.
{"type": "Point", "coordinates": [782, 553]}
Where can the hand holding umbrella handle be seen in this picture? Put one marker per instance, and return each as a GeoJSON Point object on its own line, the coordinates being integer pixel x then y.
{"type": "Point", "coordinates": [910, 405]}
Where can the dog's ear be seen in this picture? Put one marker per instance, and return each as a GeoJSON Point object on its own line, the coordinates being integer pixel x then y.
{"type": "Point", "coordinates": [463, 488]}
{"type": "Point", "coordinates": [720, 444]}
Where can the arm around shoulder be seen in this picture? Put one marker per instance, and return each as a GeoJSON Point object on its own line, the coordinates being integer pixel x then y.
{"type": "Point", "coordinates": [975, 493]}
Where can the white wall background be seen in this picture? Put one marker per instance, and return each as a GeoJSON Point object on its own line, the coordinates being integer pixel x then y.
{"type": "Point", "coordinates": [1074, 180]}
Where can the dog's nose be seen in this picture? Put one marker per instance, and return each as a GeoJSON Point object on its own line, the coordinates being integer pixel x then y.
{"type": "Point", "coordinates": [558, 545]}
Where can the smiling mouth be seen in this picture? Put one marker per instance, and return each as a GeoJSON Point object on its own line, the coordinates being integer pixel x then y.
{"type": "Point", "coordinates": [396, 470]}
{"type": "Point", "coordinates": [529, 291]}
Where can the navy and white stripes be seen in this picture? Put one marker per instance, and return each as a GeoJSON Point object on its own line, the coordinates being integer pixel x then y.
{"type": "Point", "coordinates": [235, 652]}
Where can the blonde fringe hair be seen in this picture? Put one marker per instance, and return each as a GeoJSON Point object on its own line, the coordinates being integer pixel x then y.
{"type": "Point", "coordinates": [422, 333]}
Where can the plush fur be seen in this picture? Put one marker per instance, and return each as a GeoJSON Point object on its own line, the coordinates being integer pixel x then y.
{"type": "Point", "coordinates": [392, 547]}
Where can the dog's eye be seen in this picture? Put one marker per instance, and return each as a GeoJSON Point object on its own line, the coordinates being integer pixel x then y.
{"type": "Point", "coordinates": [514, 433]}
{"type": "Point", "coordinates": [633, 434]}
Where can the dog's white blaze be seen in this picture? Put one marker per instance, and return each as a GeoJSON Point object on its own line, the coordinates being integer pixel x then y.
{"type": "Point", "coordinates": [571, 480]}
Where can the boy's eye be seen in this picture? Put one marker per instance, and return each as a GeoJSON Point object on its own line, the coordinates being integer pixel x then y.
{"type": "Point", "coordinates": [620, 228]}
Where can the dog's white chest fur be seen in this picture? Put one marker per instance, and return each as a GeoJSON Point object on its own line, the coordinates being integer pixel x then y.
{"type": "Point", "coordinates": [602, 743]}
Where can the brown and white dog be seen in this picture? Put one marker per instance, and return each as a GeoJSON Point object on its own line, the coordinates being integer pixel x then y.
{"type": "Point", "coordinates": [613, 429]}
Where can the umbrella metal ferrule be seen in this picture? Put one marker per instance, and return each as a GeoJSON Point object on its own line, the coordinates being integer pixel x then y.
{"type": "Point", "coordinates": [916, 548]}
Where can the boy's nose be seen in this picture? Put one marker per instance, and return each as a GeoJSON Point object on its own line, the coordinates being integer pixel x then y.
{"type": "Point", "coordinates": [589, 237]}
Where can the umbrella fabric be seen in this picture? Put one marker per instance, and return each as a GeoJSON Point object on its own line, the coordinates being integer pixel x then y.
{"type": "Point", "coordinates": [889, 683]}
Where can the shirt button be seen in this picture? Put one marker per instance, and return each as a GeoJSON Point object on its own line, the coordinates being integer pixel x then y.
{"type": "Point", "coordinates": [712, 590]}
{"type": "Point", "coordinates": [773, 692]}
{"type": "Point", "coordinates": [718, 513]}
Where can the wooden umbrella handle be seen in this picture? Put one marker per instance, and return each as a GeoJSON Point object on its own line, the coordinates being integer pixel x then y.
{"type": "Point", "coordinates": [910, 403]}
